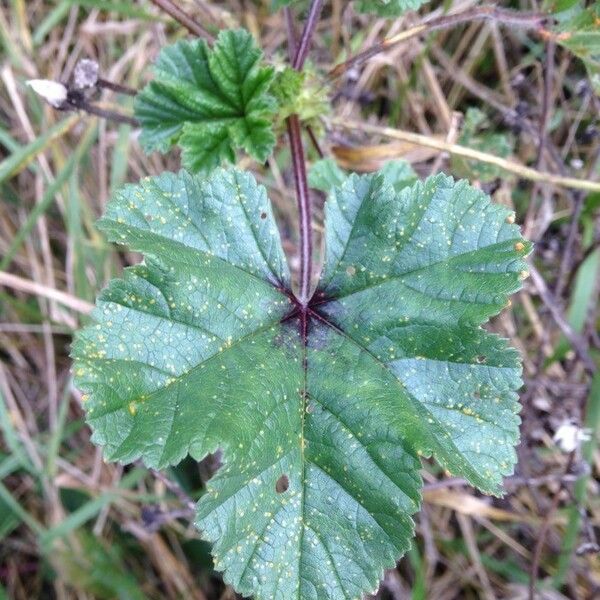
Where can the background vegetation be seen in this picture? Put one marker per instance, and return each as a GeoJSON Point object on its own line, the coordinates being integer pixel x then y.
{"type": "Point", "coordinates": [72, 526]}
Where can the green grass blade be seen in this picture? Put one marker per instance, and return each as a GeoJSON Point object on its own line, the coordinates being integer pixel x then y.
{"type": "Point", "coordinates": [15, 507]}
{"type": "Point", "coordinates": [11, 439]}
{"type": "Point", "coordinates": [50, 21]}
{"type": "Point", "coordinates": [48, 197]}
{"type": "Point", "coordinates": [18, 160]}
{"type": "Point", "coordinates": [76, 519]}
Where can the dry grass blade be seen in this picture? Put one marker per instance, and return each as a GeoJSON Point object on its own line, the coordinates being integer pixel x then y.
{"type": "Point", "coordinates": [458, 150]}
{"type": "Point", "coordinates": [37, 289]}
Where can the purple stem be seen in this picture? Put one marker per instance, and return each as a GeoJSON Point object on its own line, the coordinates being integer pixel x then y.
{"type": "Point", "coordinates": [299, 51]}
{"type": "Point", "coordinates": [307, 35]}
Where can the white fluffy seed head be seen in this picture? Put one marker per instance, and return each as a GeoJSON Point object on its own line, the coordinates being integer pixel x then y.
{"type": "Point", "coordinates": [569, 436]}
{"type": "Point", "coordinates": [52, 92]}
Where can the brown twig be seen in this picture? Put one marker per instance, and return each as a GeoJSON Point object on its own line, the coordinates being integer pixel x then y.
{"type": "Point", "coordinates": [510, 115]}
{"type": "Point", "coordinates": [31, 287]}
{"type": "Point", "coordinates": [578, 343]}
{"type": "Point", "coordinates": [546, 100]}
{"type": "Point", "coordinates": [182, 17]}
{"type": "Point", "coordinates": [481, 13]}
{"type": "Point", "coordinates": [291, 33]}
{"type": "Point", "coordinates": [176, 489]}
{"type": "Point", "coordinates": [315, 142]}
{"type": "Point", "coordinates": [541, 538]}
{"type": "Point", "coordinates": [116, 87]}
{"type": "Point", "coordinates": [565, 267]}
{"type": "Point", "coordinates": [92, 109]}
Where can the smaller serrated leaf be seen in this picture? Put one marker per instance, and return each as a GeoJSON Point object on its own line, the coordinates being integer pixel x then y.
{"type": "Point", "coordinates": [210, 101]}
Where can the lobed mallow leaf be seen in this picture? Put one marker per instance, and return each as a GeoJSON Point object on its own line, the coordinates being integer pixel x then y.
{"type": "Point", "coordinates": [209, 101]}
{"type": "Point", "coordinates": [322, 412]}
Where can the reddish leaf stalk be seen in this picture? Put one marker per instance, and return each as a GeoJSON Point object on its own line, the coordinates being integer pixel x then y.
{"type": "Point", "coordinates": [304, 207]}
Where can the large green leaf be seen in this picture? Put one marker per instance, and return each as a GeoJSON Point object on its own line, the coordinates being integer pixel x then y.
{"type": "Point", "coordinates": [322, 412]}
{"type": "Point", "coordinates": [211, 102]}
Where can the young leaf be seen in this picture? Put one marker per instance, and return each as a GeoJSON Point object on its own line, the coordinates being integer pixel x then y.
{"type": "Point", "coordinates": [211, 102]}
{"type": "Point", "coordinates": [322, 411]}
{"type": "Point", "coordinates": [300, 93]}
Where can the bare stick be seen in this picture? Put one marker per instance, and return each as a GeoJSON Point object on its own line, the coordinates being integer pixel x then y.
{"type": "Point", "coordinates": [509, 114]}
{"type": "Point", "coordinates": [579, 344]}
{"type": "Point", "coordinates": [176, 489]}
{"type": "Point", "coordinates": [541, 538]}
{"type": "Point", "coordinates": [31, 287]}
{"type": "Point", "coordinates": [182, 17]}
{"type": "Point", "coordinates": [546, 104]}
{"type": "Point", "coordinates": [291, 32]}
{"type": "Point", "coordinates": [115, 87]}
{"type": "Point", "coordinates": [110, 115]}
{"type": "Point", "coordinates": [482, 13]}
{"type": "Point", "coordinates": [315, 142]}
